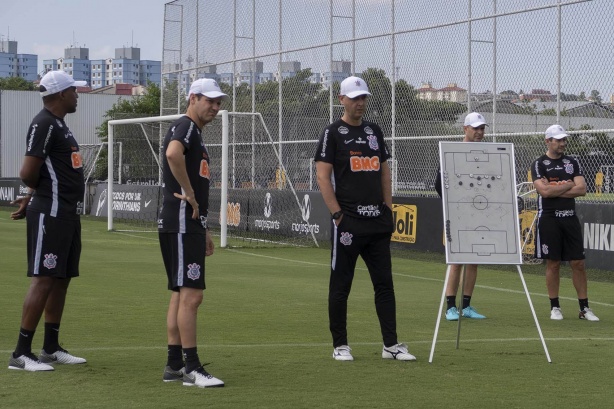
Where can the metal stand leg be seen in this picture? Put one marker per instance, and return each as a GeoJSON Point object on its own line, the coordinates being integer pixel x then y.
{"type": "Point", "coordinates": [539, 330]}
{"type": "Point", "coordinates": [460, 310]}
{"type": "Point", "coordinates": [443, 297]}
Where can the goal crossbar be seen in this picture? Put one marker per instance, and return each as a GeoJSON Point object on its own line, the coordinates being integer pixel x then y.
{"type": "Point", "coordinates": [224, 114]}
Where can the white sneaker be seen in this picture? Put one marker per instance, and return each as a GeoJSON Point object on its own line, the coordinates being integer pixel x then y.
{"type": "Point", "coordinates": [28, 362]}
{"type": "Point", "coordinates": [201, 378]}
{"type": "Point", "coordinates": [398, 352]}
{"type": "Point", "coordinates": [587, 314]}
{"type": "Point", "coordinates": [343, 353]}
{"type": "Point", "coordinates": [61, 356]}
{"type": "Point", "coordinates": [556, 314]}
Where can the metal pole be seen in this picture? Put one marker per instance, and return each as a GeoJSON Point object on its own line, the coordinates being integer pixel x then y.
{"type": "Point", "coordinates": [330, 64]}
{"type": "Point", "coordinates": [253, 171]}
{"type": "Point", "coordinates": [180, 74]}
{"type": "Point", "coordinates": [224, 187]}
{"type": "Point", "coordinates": [494, 75]}
{"type": "Point", "coordinates": [558, 65]}
{"type": "Point", "coordinates": [280, 93]}
{"type": "Point", "coordinates": [110, 180]}
{"type": "Point", "coordinates": [394, 99]}
{"type": "Point", "coordinates": [197, 35]}
{"type": "Point", "coordinates": [469, 63]}
{"type": "Point", "coordinates": [354, 36]}
{"type": "Point", "coordinates": [234, 91]}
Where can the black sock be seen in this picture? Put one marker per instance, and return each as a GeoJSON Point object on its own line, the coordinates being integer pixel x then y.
{"type": "Point", "coordinates": [24, 342]}
{"type": "Point", "coordinates": [583, 303]}
{"type": "Point", "coordinates": [466, 301]}
{"type": "Point", "coordinates": [175, 357]}
{"type": "Point", "coordinates": [191, 359]}
{"type": "Point", "coordinates": [451, 300]}
{"type": "Point", "coordinates": [52, 335]}
{"type": "Point", "coordinates": [554, 302]}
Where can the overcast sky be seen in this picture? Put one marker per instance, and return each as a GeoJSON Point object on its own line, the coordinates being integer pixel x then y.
{"type": "Point", "coordinates": [47, 27]}
{"type": "Point", "coordinates": [526, 43]}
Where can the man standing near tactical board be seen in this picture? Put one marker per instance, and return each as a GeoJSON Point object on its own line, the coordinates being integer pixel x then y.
{"type": "Point", "coordinates": [355, 181]}
{"type": "Point", "coordinates": [559, 179]}
{"type": "Point", "coordinates": [474, 127]}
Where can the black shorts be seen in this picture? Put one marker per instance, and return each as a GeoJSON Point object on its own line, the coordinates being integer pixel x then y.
{"type": "Point", "coordinates": [559, 238]}
{"type": "Point", "coordinates": [184, 259]}
{"type": "Point", "coordinates": [54, 246]}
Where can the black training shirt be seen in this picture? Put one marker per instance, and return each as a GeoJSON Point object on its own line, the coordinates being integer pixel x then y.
{"type": "Point", "coordinates": [61, 184]}
{"type": "Point", "coordinates": [176, 214]}
{"type": "Point", "coordinates": [556, 170]}
{"type": "Point", "coordinates": [356, 153]}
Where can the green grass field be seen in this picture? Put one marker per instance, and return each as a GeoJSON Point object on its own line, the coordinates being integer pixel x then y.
{"type": "Point", "coordinates": [263, 328]}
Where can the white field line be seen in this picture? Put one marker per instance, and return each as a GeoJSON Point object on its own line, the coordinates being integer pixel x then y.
{"type": "Point", "coordinates": [327, 344]}
{"type": "Point", "coordinates": [506, 290]}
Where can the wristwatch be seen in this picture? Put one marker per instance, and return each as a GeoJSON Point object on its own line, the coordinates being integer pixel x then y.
{"type": "Point", "coordinates": [337, 215]}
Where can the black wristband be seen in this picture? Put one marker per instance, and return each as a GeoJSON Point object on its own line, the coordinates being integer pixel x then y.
{"type": "Point", "coordinates": [337, 215]}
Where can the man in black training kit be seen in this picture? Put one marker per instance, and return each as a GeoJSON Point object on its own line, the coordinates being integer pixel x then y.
{"type": "Point", "coordinates": [355, 181]}
{"type": "Point", "coordinates": [53, 171]}
{"type": "Point", "coordinates": [184, 236]}
{"type": "Point", "coordinates": [559, 179]}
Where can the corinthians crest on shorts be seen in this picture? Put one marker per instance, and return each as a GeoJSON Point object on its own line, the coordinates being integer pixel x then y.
{"type": "Point", "coordinates": [346, 238]}
{"type": "Point", "coordinates": [193, 271]}
{"type": "Point", "coordinates": [50, 261]}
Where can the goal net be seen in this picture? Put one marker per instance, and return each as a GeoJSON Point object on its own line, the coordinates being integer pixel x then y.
{"type": "Point", "coordinates": [253, 200]}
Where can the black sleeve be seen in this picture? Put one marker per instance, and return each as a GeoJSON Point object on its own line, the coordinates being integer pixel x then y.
{"type": "Point", "coordinates": [438, 182]}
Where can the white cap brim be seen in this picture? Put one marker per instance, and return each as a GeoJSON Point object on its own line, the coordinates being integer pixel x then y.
{"type": "Point", "coordinates": [211, 94]}
{"type": "Point", "coordinates": [355, 94]}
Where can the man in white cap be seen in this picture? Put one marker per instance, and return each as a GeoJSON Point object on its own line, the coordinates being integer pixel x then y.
{"type": "Point", "coordinates": [474, 128]}
{"type": "Point", "coordinates": [354, 178]}
{"type": "Point", "coordinates": [558, 179]}
{"type": "Point", "coordinates": [184, 237]}
{"type": "Point", "coordinates": [53, 171]}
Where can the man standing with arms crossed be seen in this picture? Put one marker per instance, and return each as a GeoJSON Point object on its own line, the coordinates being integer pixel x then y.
{"type": "Point", "coordinates": [53, 171]}
{"type": "Point", "coordinates": [354, 178]}
{"type": "Point", "coordinates": [559, 179]}
{"type": "Point", "coordinates": [474, 127]}
{"type": "Point", "coordinates": [185, 240]}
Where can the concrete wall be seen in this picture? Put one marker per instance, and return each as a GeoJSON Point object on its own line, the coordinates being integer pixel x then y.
{"type": "Point", "coordinates": [17, 108]}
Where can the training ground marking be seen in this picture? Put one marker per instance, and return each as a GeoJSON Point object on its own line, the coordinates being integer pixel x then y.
{"type": "Point", "coordinates": [487, 287]}
{"type": "Point", "coordinates": [327, 344]}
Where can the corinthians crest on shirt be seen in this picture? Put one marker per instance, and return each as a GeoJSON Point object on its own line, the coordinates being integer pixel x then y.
{"type": "Point", "coordinates": [373, 142]}
{"type": "Point", "coordinates": [568, 168]}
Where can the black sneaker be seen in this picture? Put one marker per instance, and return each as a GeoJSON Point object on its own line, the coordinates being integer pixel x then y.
{"type": "Point", "coordinates": [171, 375]}
{"type": "Point", "coordinates": [201, 378]}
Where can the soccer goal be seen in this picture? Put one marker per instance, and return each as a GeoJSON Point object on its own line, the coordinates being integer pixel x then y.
{"type": "Point", "coordinates": [253, 200]}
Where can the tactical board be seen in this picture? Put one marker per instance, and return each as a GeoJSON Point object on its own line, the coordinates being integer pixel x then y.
{"type": "Point", "coordinates": [479, 203]}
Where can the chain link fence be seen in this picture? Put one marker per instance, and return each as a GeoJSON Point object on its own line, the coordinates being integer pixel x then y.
{"type": "Point", "coordinates": [524, 64]}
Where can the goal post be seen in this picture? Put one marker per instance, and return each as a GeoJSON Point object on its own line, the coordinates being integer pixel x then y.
{"type": "Point", "coordinates": [248, 169]}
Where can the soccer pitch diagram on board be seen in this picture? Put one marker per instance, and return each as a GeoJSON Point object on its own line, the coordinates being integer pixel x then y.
{"type": "Point", "coordinates": [479, 203]}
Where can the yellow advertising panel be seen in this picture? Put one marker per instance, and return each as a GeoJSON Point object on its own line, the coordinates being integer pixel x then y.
{"type": "Point", "coordinates": [405, 217]}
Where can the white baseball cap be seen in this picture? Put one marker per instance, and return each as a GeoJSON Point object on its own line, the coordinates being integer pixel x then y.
{"type": "Point", "coordinates": [475, 120]}
{"type": "Point", "coordinates": [352, 87]}
{"type": "Point", "coordinates": [207, 87]}
{"type": "Point", "coordinates": [556, 132]}
{"type": "Point", "coordinates": [57, 81]}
